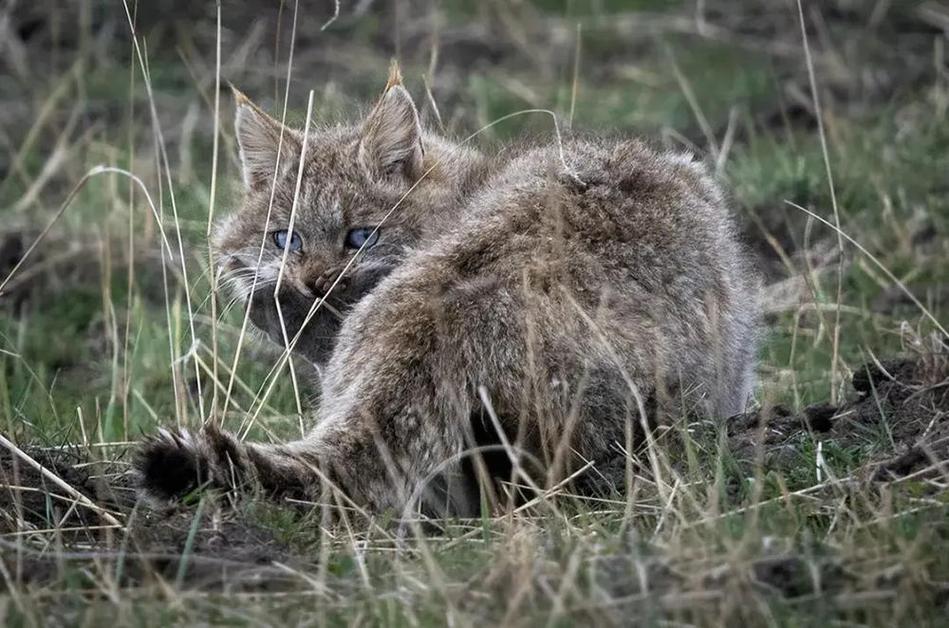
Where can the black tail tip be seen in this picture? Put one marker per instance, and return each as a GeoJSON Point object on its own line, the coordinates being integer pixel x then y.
{"type": "Point", "coordinates": [169, 465]}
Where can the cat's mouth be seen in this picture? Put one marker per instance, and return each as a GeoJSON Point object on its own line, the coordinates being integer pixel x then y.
{"type": "Point", "coordinates": [292, 315]}
{"type": "Point", "coordinates": [301, 311]}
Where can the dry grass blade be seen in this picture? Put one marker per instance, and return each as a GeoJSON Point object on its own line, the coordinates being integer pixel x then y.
{"type": "Point", "coordinates": [819, 112]}
{"type": "Point", "coordinates": [873, 258]}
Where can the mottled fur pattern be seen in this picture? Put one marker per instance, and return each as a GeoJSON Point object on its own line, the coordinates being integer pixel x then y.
{"type": "Point", "coordinates": [558, 291]}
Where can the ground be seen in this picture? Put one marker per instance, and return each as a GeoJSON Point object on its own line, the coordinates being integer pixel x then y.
{"type": "Point", "coordinates": [826, 505]}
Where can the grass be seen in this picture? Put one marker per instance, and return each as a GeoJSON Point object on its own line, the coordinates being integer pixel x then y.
{"type": "Point", "coordinates": [96, 342]}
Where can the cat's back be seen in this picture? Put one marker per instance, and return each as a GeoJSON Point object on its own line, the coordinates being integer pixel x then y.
{"type": "Point", "coordinates": [613, 208]}
{"type": "Point", "coordinates": [590, 216]}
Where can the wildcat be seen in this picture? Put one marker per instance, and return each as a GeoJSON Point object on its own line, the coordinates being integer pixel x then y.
{"type": "Point", "coordinates": [547, 301]}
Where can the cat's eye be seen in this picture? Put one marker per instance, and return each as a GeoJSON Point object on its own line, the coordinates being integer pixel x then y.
{"type": "Point", "coordinates": [362, 237]}
{"type": "Point", "coordinates": [284, 239]}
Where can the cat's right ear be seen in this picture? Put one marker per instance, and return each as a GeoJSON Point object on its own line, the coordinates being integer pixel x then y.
{"type": "Point", "coordinates": [260, 137]}
{"type": "Point", "coordinates": [392, 135]}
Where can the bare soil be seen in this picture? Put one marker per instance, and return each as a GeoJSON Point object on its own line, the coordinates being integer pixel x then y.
{"type": "Point", "coordinates": [904, 402]}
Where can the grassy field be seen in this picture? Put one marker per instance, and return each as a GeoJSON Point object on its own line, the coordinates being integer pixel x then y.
{"type": "Point", "coordinates": [828, 507]}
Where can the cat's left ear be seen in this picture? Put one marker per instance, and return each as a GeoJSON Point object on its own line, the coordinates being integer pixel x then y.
{"type": "Point", "coordinates": [265, 144]}
{"type": "Point", "coordinates": [392, 134]}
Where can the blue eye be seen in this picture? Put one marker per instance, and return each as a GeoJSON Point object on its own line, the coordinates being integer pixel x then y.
{"type": "Point", "coordinates": [280, 239]}
{"type": "Point", "coordinates": [362, 237]}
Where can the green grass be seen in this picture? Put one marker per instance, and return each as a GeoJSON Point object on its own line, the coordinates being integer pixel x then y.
{"type": "Point", "coordinates": [95, 351]}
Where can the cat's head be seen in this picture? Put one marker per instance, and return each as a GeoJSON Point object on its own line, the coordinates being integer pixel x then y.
{"type": "Point", "coordinates": [330, 212]}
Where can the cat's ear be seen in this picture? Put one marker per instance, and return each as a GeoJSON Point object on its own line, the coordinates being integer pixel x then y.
{"type": "Point", "coordinates": [259, 137]}
{"type": "Point", "coordinates": [392, 134]}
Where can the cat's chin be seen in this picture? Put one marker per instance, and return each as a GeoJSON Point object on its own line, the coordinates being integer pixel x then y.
{"type": "Point", "coordinates": [319, 335]}
{"type": "Point", "coordinates": [318, 338]}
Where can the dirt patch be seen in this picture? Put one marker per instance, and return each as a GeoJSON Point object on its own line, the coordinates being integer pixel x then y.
{"type": "Point", "coordinates": [45, 531]}
{"type": "Point", "coordinates": [898, 414]}
{"type": "Point", "coordinates": [30, 499]}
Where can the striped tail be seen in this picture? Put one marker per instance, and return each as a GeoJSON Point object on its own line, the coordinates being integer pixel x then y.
{"type": "Point", "coordinates": [173, 463]}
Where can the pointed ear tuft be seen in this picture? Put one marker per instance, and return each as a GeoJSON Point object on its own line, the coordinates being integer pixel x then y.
{"type": "Point", "coordinates": [392, 134]}
{"type": "Point", "coordinates": [259, 137]}
{"type": "Point", "coordinates": [395, 75]}
{"type": "Point", "coordinates": [240, 98]}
